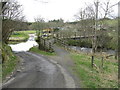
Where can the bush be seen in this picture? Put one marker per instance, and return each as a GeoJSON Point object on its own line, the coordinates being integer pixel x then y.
{"type": "Point", "coordinates": [81, 43]}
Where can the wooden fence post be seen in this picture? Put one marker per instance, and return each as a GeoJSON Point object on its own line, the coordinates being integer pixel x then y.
{"type": "Point", "coordinates": [44, 44]}
{"type": "Point", "coordinates": [102, 61]}
{"type": "Point", "coordinates": [92, 61]}
{"type": "Point", "coordinates": [56, 38]}
{"type": "Point", "coordinates": [40, 46]}
{"type": "Point", "coordinates": [50, 48]}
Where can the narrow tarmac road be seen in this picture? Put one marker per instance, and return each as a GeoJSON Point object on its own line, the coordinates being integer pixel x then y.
{"type": "Point", "coordinates": [39, 72]}
{"type": "Point", "coordinates": [64, 59]}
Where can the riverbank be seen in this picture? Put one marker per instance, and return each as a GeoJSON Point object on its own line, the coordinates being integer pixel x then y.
{"type": "Point", "coordinates": [89, 50]}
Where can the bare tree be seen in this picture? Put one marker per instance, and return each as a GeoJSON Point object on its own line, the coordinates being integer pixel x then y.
{"type": "Point", "coordinates": [90, 17]}
{"type": "Point", "coordinates": [39, 25]}
{"type": "Point", "coordinates": [92, 14]}
{"type": "Point", "coordinates": [106, 9]}
{"type": "Point", "coordinates": [12, 17]}
{"type": "Point", "coordinates": [12, 10]}
{"type": "Point", "coordinates": [0, 21]}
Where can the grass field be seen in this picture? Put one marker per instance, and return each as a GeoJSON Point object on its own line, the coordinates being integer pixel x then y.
{"type": "Point", "coordinates": [21, 35]}
{"type": "Point", "coordinates": [36, 50]}
{"type": "Point", "coordinates": [106, 77]}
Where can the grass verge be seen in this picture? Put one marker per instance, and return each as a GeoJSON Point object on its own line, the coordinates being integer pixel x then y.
{"type": "Point", "coordinates": [0, 73]}
{"type": "Point", "coordinates": [36, 50]}
{"type": "Point", "coordinates": [10, 61]}
{"type": "Point", "coordinates": [106, 77]}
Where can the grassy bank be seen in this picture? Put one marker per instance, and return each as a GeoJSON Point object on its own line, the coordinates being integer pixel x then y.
{"type": "Point", "coordinates": [106, 77]}
{"type": "Point", "coordinates": [0, 73]}
{"type": "Point", "coordinates": [36, 50]}
{"type": "Point", "coordinates": [10, 61]}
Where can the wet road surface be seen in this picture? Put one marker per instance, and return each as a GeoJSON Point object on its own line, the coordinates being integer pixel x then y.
{"type": "Point", "coordinates": [38, 72]}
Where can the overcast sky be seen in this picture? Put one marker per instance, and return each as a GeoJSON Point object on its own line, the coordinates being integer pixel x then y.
{"type": "Point", "coordinates": [55, 9]}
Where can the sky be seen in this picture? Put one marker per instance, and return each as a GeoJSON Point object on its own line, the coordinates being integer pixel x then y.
{"type": "Point", "coordinates": [56, 9]}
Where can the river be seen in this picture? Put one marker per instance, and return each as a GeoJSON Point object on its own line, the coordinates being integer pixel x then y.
{"type": "Point", "coordinates": [25, 46]}
{"type": "Point", "coordinates": [89, 50]}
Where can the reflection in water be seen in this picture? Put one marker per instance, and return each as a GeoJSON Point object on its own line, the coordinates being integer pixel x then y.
{"type": "Point", "coordinates": [24, 46]}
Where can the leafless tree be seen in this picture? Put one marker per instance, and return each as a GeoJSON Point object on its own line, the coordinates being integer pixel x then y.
{"type": "Point", "coordinates": [92, 14]}
{"type": "Point", "coordinates": [39, 25]}
{"type": "Point", "coordinates": [12, 18]}
{"type": "Point", "coordinates": [106, 9]}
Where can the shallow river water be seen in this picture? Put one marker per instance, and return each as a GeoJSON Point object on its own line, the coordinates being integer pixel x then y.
{"type": "Point", "coordinates": [24, 46]}
{"type": "Point", "coordinates": [89, 50]}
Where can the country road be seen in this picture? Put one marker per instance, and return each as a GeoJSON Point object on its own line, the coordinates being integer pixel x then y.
{"type": "Point", "coordinates": [37, 71]}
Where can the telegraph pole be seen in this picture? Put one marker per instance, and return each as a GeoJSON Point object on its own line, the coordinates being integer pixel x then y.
{"type": "Point", "coordinates": [0, 22]}
{"type": "Point", "coordinates": [118, 53]}
{"type": "Point", "coordinates": [2, 4]}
